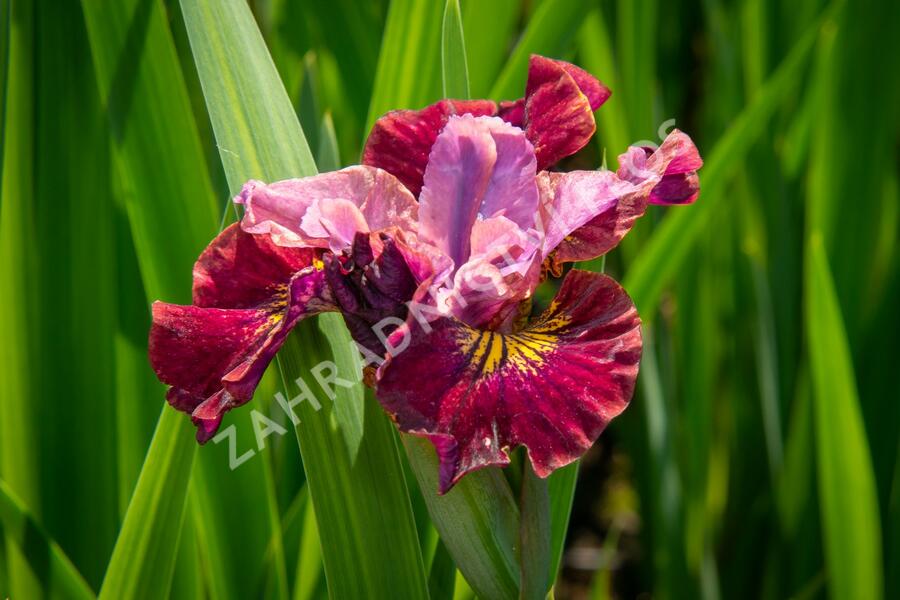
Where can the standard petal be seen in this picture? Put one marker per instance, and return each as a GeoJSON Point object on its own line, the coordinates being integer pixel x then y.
{"type": "Point", "coordinates": [282, 209]}
{"type": "Point", "coordinates": [558, 114]}
{"type": "Point", "coordinates": [480, 167]}
{"type": "Point", "coordinates": [401, 140]}
{"type": "Point", "coordinates": [551, 387]}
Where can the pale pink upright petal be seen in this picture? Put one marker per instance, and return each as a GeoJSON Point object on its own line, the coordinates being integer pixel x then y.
{"type": "Point", "coordinates": [480, 167]}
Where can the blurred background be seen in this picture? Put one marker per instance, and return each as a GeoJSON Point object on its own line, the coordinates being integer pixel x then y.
{"type": "Point", "coordinates": [759, 457]}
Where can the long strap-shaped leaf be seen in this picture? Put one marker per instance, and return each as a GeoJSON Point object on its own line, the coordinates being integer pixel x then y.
{"type": "Point", "coordinates": [850, 523]}
{"type": "Point", "coordinates": [172, 212]}
{"type": "Point", "coordinates": [143, 561]}
{"type": "Point", "coordinates": [44, 556]}
{"type": "Point", "coordinates": [353, 469]}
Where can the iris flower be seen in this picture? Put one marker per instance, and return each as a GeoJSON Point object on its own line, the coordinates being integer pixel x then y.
{"type": "Point", "coordinates": [431, 250]}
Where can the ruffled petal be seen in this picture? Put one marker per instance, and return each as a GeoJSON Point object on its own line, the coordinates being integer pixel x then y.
{"type": "Point", "coordinates": [248, 294]}
{"type": "Point", "coordinates": [585, 214]}
{"type": "Point", "coordinates": [558, 115]}
{"type": "Point", "coordinates": [480, 167]}
{"type": "Point", "coordinates": [551, 387]}
{"type": "Point", "coordinates": [401, 140]}
{"type": "Point", "coordinates": [674, 163]}
{"type": "Point", "coordinates": [304, 212]}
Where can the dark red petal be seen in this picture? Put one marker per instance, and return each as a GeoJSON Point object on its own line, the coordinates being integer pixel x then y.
{"type": "Point", "coordinates": [241, 270]}
{"type": "Point", "coordinates": [559, 117]}
{"type": "Point", "coordinates": [214, 357]}
{"type": "Point", "coordinates": [552, 387]}
{"type": "Point", "coordinates": [542, 70]}
{"type": "Point", "coordinates": [401, 140]}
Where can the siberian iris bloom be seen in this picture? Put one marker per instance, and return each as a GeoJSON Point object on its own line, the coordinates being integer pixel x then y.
{"type": "Point", "coordinates": [432, 250]}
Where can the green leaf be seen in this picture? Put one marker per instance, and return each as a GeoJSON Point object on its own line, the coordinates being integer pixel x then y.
{"type": "Point", "coordinates": [257, 131]}
{"type": "Point", "coordinates": [535, 536]}
{"type": "Point", "coordinates": [668, 248]}
{"type": "Point", "coordinates": [562, 493]}
{"type": "Point", "coordinates": [548, 32]}
{"type": "Point", "coordinates": [18, 291]}
{"type": "Point", "coordinates": [409, 61]}
{"type": "Point", "coordinates": [478, 520]}
{"type": "Point", "coordinates": [850, 523]}
{"type": "Point", "coordinates": [442, 574]}
{"type": "Point", "coordinates": [143, 559]}
{"type": "Point", "coordinates": [44, 556]}
{"type": "Point", "coordinates": [353, 471]}
{"type": "Point", "coordinates": [453, 53]}
{"type": "Point", "coordinates": [350, 457]}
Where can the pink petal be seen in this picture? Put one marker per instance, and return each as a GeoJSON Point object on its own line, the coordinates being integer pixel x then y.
{"type": "Point", "coordinates": [478, 167]}
{"type": "Point", "coordinates": [551, 387]}
{"type": "Point", "coordinates": [401, 140]}
{"type": "Point", "coordinates": [504, 269]}
{"type": "Point", "coordinates": [336, 220]}
{"type": "Point", "coordinates": [279, 209]}
{"type": "Point", "coordinates": [675, 163]}
{"type": "Point", "coordinates": [586, 213]}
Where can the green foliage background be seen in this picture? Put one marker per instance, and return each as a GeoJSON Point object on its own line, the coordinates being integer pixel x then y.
{"type": "Point", "coordinates": [760, 456]}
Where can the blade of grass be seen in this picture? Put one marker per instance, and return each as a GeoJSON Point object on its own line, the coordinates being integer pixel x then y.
{"type": "Point", "coordinates": [442, 574]}
{"type": "Point", "coordinates": [44, 556]}
{"type": "Point", "coordinates": [535, 536]}
{"type": "Point", "coordinates": [846, 481]}
{"type": "Point", "coordinates": [636, 22]}
{"type": "Point", "coordinates": [161, 96]}
{"type": "Point", "coordinates": [76, 239]}
{"type": "Point", "coordinates": [562, 493]}
{"type": "Point", "coordinates": [455, 72]}
{"type": "Point", "coordinates": [353, 471]}
{"type": "Point", "coordinates": [144, 556]}
{"type": "Point", "coordinates": [18, 292]}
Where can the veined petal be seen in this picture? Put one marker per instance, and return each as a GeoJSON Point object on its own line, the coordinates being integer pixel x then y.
{"type": "Point", "coordinates": [480, 167]}
{"type": "Point", "coordinates": [304, 212]}
{"type": "Point", "coordinates": [551, 387]}
{"type": "Point", "coordinates": [248, 294]}
{"type": "Point", "coordinates": [558, 113]}
{"type": "Point", "coordinates": [241, 270]}
{"type": "Point", "coordinates": [400, 141]}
